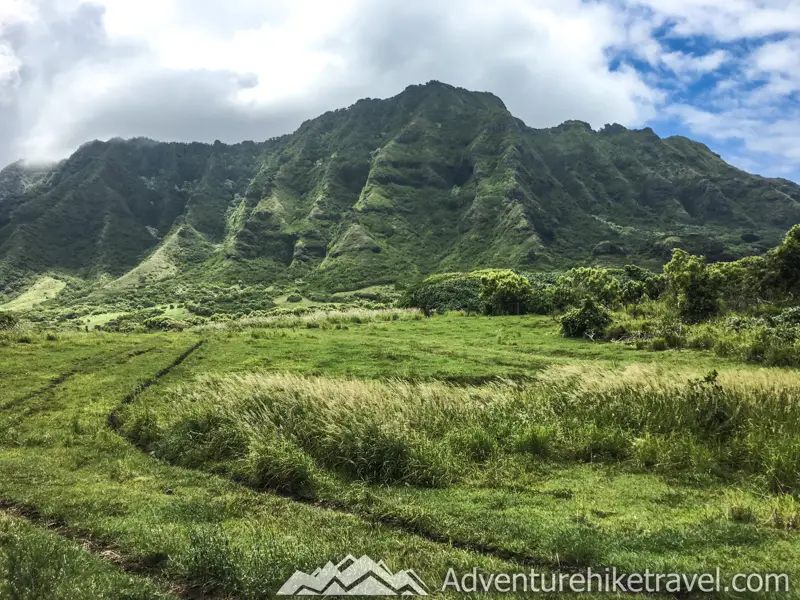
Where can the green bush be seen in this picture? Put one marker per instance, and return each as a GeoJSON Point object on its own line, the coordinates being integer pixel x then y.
{"type": "Point", "coordinates": [160, 323]}
{"type": "Point", "coordinates": [590, 320]}
{"type": "Point", "coordinates": [658, 344]}
{"type": "Point", "coordinates": [784, 262]}
{"type": "Point", "coordinates": [542, 300]}
{"type": "Point", "coordinates": [491, 291]}
{"type": "Point", "coordinates": [582, 283]}
{"type": "Point", "coordinates": [461, 293]}
{"type": "Point", "coordinates": [294, 298]}
{"type": "Point", "coordinates": [7, 320]}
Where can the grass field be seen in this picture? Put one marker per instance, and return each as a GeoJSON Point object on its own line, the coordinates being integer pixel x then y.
{"type": "Point", "coordinates": [215, 462]}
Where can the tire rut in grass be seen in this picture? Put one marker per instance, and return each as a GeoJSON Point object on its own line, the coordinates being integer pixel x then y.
{"type": "Point", "coordinates": [53, 384]}
{"type": "Point", "coordinates": [490, 551]}
{"type": "Point", "coordinates": [105, 551]}
{"type": "Point", "coordinates": [142, 386]}
{"type": "Point", "coordinates": [394, 522]}
{"type": "Point", "coordinates": [62, 378]}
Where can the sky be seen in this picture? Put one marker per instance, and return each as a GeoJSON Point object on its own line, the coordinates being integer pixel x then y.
{"type": "Point", "coordinates": [723, 72]}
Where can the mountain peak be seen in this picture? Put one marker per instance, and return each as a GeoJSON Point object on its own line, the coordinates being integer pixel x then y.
{"type": "Point", "coordinates": [575, 124]}
{"type": "Point", "coordinates": [438, 88]}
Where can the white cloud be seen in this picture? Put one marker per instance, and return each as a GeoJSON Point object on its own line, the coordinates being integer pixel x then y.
{"type": "Point", "coordinates": [14, 11]}
{"type": "Point", "coordinates": [548, 60]}
{"type": "Point", "coordinates": [727, 19]}
{"type": "Point", "coordinates": [185, 69]}
{"type": "Point", "coordinates": [779, 57]}
{"type": "Point", "coordinates": [681, 62]}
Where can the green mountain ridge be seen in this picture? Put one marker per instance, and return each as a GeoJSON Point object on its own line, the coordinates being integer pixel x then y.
{"type": "Point", "coordinates": [434, 179]}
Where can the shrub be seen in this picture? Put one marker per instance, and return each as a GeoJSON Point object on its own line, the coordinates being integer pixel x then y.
{"type": "Point", "coordinates": [294, 298]}
{"type": "Point", "coordinates": [461, 292]}
{"type": "Point", "coordinates": [789, 316]}
{"type": "Point", "coordinates": [161, 323]}
{"type": "Point", "coordinates": [658, 344]}
{"type": "Point", "coordinates": [590, 320]}
{"type": "Point", "coordinates": [542, 300]}
{"type": "Point", "coordinates": [7, 320]}
{"type": "Point", "coordinates": [784, 261]}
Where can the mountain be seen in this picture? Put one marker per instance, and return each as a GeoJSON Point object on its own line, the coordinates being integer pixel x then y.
{"type": "Point", "coordinates": [434, 179]}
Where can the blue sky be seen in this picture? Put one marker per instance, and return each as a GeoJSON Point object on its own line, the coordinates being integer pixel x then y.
{"type": "Point", "coordinates": [724, 72]}
{"type": "Point", "coordinates": [730, 77]}
{"type": "Point", "coordinates": [738, 108]}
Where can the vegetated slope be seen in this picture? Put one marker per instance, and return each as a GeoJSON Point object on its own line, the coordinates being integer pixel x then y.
{"type": "Point", "coordinates": [437, 178]}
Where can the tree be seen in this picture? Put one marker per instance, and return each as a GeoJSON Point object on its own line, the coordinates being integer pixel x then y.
{"type": "Point", "coordinates": [741, 283]}
{"type": "Point", "coordinates": [693, 288]}
{"type": "Point", "coordinates": [442, 294]}
{"type": "Point", "coordinates": [576, 285]}
{"type": "Point", "coordinates": [653, 283]}
{"type": "Point", "coordinates": [632, 294]}
{"type": "Point", "coordinates": [784, 261]}
{"type": "Point", "coordinates": [503, 292]}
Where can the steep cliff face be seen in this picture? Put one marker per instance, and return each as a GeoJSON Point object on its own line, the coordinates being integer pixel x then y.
{"type": "Point", "coordinates": [436, 178]}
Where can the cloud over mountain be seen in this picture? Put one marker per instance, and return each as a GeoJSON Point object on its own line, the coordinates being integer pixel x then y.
{"type": "Point", "coordinates": [70, 71]}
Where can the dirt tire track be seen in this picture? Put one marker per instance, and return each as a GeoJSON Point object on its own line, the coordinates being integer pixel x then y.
{"type": "Point", "coordinates": [142, 386]}
{"type": "Point", "coordinates": [108, 552]}
{"type": "Point", "coordinates": [394, 523]}
{"type": "Point", "coordinates": [125, 356]}
{"type": "Point", "coordinates": [105, 551]}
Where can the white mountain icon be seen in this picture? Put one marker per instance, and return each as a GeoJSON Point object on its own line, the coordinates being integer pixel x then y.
{"type": "Point", "coordinates": [354, 577]}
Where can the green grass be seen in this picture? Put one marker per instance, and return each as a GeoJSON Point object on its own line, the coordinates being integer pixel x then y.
{"type": "Point", "coordinates": [450, 347]}
{"type": "Point", "coordinates": [35, 563]}
{"type": "Point", "coordinates": [232, 508]}
{"type": "Point", "coordinates": [59, 457]}
{"type": "Point", "coordinates": [284, 301]}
